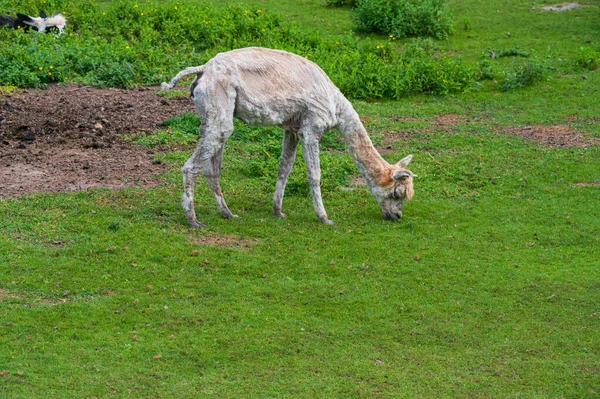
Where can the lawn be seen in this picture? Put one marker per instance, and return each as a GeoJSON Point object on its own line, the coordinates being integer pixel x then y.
{"type": "Point", "coordinates": [489, 286]}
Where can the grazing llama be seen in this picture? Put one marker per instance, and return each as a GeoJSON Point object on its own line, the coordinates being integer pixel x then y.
{"type": "Point", "coordinates": [271, 87]}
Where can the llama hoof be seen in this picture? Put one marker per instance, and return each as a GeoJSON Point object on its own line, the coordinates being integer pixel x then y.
{"type": "Point", "coordinates": [280, 215]}
{"type": "Point", "coordinates": [229, 215]}
{"type": "Point", "coordinates": [329, 222]}
{"type": "Point", "coordinates": [197, 225]}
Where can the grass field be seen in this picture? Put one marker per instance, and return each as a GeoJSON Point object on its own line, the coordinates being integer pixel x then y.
{"type": "Point", "coordinates": [489, 287]}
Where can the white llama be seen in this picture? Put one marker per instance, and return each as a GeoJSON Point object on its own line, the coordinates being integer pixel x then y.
{"type": "Point", "coordinates": [270, 87]}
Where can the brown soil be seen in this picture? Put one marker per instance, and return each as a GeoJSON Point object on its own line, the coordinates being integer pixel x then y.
{"type": "Point", "coordinates": [558, 135]}
{"type": "Point", "coordinates": [66, 138]}
{"type": "Point", "coordinates": [450, 119]}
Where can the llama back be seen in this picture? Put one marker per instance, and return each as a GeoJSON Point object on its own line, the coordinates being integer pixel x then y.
{"type": "Point", "coordinates": [274, 86]}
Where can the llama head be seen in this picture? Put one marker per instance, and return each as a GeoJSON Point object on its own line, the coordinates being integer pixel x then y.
{"type": "Point", "coordinates": [37, 23]}
{"type": "Point", "coordinates": [394, 187]}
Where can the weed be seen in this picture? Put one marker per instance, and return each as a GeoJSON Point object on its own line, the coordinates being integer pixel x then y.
{"type": "Point", "coordinates": [524, 75]}
{"type": "Point", "coordinates": [588, 58]}
{"type": "Point", "coordinates": [512, 52]}
{"type": "Point", "coordinates": [485, 71]}
{"type": "Point", "coordinates": [403, 18]}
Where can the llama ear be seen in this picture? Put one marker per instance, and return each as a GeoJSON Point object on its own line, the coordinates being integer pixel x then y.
{"type": "Point", "coordinates": [43, 14]}
{"type": "Point", "coordinates": [403, 163]}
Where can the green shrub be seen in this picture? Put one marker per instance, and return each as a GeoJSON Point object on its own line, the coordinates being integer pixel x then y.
{"type": "Point", "coordinates": [125, 43]}
{"type": "Point", "coordinates": [512, 52]}
{"type": "Point", "coordinates": [403, 18]}
{"type": "Point", "coordinates": [524, 75]}
{"type": "Point", "coordinates": [485, 70]}
{"type": "Point", "coordinates": [588, 58]}
{"type": "Point", "coordinates": [340, 3]}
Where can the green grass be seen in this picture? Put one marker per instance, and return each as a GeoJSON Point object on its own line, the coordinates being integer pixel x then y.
{"type": "Point", "coordinates": [488, 287]}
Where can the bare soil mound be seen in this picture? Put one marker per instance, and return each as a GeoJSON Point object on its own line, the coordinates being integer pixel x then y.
{"type": "Point", "coordinates": [558, 135]}
{"type": "Point", "coordinates": [561, 7]}
{"type": "Point", "coordinates": [67, 138]}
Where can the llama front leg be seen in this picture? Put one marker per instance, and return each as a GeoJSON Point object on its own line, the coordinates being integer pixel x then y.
{"type": "Point", "coordinates": [288, 156]}
{"type": "Point", "coordinates": [212, 171]}
{"type": "Point", "coordinates": [310, 146]}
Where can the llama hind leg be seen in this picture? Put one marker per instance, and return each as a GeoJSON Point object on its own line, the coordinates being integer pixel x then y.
{"type": "Point", "coordinates": [194, 165]}
{"type": "Point", "coordinates": [288, 155]}
{"type": "Point", "coordinates": [212, 171]}
{"type": "Point", "coordinates": [310, 146]}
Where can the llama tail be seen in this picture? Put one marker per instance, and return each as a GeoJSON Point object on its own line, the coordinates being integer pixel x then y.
{"type": "Point", "coordinates": [188, 71]}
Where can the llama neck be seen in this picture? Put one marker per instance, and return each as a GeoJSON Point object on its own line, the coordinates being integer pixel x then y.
{"type": "Point", "coordinates": [370, 164]}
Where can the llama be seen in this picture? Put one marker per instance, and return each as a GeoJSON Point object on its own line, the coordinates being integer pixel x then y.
{"type": "Point", "coordinates": [271, 87]}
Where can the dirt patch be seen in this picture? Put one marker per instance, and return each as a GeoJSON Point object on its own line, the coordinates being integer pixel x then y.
{"type": "Point", "coordinates": [223, 241]}
{"type": "Point", "coordinates": [558, 135]}
{"type": "Point", "coordinates": [562, 7]}
{"type": "Point", "coordinates": [67, 138]}
{"type": "Point", "coordinates": [450, 119]}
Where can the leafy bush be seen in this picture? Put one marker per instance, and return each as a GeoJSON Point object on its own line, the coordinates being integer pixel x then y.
{"type": "Point", "coordinates": [340, 3]}
{"type": "Point", "coordinates": [485, 70]}
{"type": "Point", "coordinates": [512, 52]}
{"type": "Point", "coordinates": [588, 58]}
{"type": "Point", "coordinates": [126, 43]}
{"type": "Point", "coordinates": [524, 75]}
{"type": "Point", "coordinates": [403, 18]}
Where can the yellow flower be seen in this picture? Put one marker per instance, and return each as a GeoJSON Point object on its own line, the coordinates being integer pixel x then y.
{"type": "Point", "coordinates": [127, 46]}
{"type": "Point", "coordinates": [258, 11]}
{"type": "Point", "coordinates": [51, 67]}
{"type": "Point", "coordinates": [41, 68]}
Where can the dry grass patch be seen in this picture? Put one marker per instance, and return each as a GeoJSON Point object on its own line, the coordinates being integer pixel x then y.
{"type": "Point", "coordinates": [450, 119]}
{"type": "Point", "coordinates": [557, 135]}
{"type": "Point", "coordinates": [30, 299]}
{"type": "Point", "coordinates": [223, 240]}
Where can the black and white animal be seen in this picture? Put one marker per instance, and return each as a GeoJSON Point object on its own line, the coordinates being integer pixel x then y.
{"type": "Point", "coordinates": [40, 24]}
